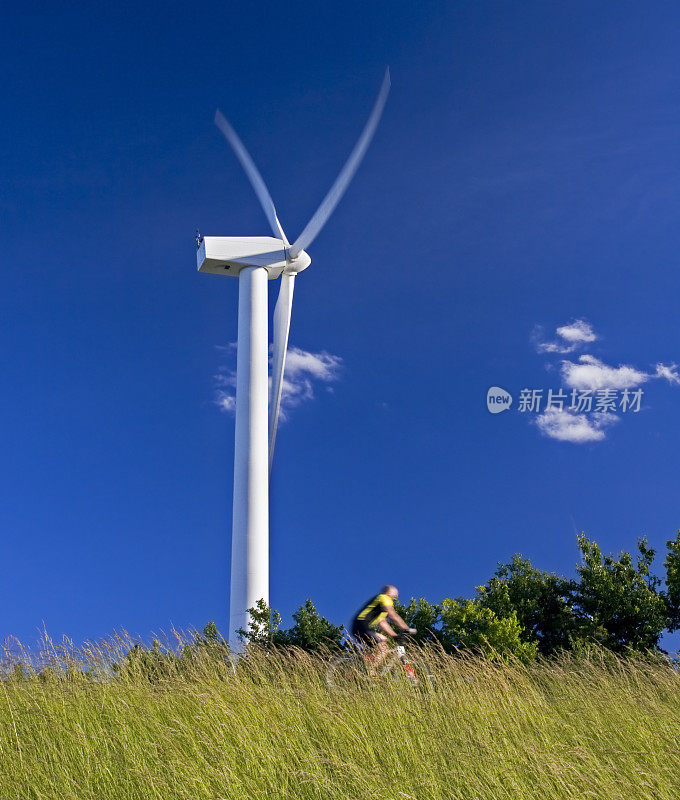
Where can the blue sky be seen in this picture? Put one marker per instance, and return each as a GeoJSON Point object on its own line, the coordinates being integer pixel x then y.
{"type": "Point", "coordinates": [525, 177]}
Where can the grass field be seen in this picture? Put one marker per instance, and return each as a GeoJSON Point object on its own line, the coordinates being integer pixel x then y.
{"type": "Point", "coordinates": [597, 728]}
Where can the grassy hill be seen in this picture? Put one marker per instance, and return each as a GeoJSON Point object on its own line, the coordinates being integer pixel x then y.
{"type": "Point", "coordinates": [577, 728]}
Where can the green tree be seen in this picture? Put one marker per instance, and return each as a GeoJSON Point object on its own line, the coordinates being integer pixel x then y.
{"type": "Point", "coordinates": [672, 564]}
{"type": "Point", "coordinates": [620, 598]}
{"type": "Point", "coordinates": [424, 617]}
{"type": "Point", "coordinates": [210, 635]}
{"type": "Point", "coordinates": [542, 601]}
{"type": "Point", "coordinates": [312, 632]}
{"type": "Point", "coordinates": [210, 640]}
{"type": "Point", "coordinates": [467, 624]}
{"type": "Point", "coordinates": [264, 625]}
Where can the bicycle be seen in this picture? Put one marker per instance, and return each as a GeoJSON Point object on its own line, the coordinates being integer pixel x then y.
{"type": "Point", "coordinates": [351, 668]}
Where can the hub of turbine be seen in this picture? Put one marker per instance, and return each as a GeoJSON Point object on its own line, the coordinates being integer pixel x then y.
{"type": "Point", "coordinates": [295, 265]}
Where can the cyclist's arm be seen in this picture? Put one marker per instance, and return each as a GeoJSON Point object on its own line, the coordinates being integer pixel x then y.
{"type": "Point", "coordinates": [396, 619]}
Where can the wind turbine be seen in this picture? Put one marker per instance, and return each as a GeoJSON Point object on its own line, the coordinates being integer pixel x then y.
{"type": "Point", "coordinates": [255, 260]}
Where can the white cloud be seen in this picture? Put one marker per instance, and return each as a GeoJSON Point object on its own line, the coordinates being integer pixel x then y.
{"type": "Point", "coordinates": [304, 370]}
{"type": "Point", "coordinates": [578, 331]}
{"type": "Point", "coordinates": [321, 366]}
{"type": "Point", "coordinates": [566, 426]}
{"type": "Point", "coordinates": [669, 372]}
{"type": "Point", "coordinates": [591, 373]}
{"type": "Point", "coordinates": [226, 401]}
{"type": "Point", "coordinates": [570, 337]}
{"type": "Point", "coordinates": [225, 381]}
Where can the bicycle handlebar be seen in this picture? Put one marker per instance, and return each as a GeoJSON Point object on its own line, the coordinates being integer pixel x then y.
{"type": "Point", "coordinates": [403, 635]}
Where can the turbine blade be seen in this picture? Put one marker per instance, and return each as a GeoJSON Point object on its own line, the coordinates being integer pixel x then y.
{"type": "Point", "coordinates": [282, 312]}
{"type": "Point", "coordinates": [337, 190]}
{"type": "Point", "coordinates": [253, 175]}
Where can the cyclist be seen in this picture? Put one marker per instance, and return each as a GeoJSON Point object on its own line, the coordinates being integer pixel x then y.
{"type": "Point", "coordinates": [370, 625]}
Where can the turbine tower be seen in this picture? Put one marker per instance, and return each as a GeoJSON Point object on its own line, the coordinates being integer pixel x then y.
{"type": "Point", "coordinates": [254, 260]}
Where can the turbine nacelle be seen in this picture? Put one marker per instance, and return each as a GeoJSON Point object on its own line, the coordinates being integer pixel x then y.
{"type": "Point", "coordinates": [228, 255]}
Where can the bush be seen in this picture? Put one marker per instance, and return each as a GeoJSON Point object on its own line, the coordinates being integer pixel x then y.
{"type": "Point", "coordinates": [311, 632]}
{"type": "Point", "coordinates": [620, 598]}
{"type": "Point", "coordinates": [466, 625]}
{"type": "Point", "coordinates": [542, 602]}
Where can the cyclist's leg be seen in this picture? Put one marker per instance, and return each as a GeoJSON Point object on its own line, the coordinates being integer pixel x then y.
{"type": "Point", "coordinates": [374, 643]}
{"type": "Point", "coordinates": [379, 649]}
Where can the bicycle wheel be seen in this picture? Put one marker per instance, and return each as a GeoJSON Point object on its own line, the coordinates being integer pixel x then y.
{"type": "Point", "coordinates": [347, 672]}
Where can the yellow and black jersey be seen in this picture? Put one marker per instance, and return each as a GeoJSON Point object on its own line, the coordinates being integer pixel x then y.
{"type": "Point", "coordinates": [375, 611]}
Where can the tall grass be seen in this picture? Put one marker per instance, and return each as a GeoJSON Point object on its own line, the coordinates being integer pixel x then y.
{"type": "Point", "coordinates": [599, 727]}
